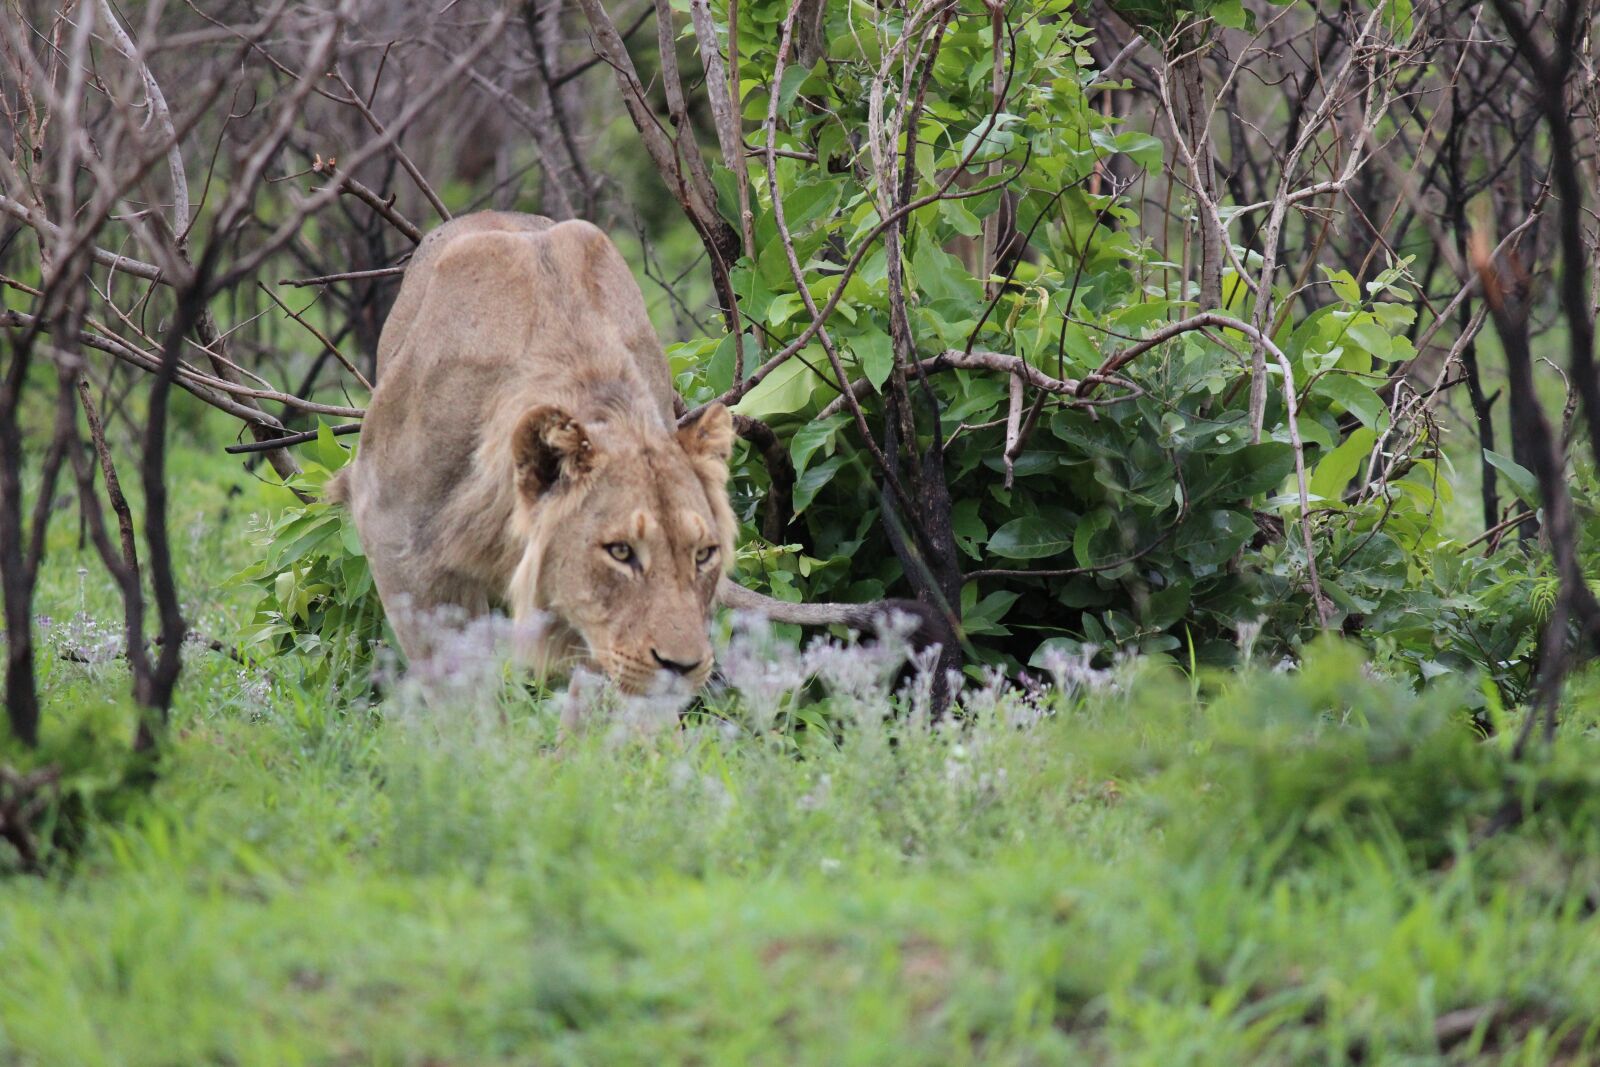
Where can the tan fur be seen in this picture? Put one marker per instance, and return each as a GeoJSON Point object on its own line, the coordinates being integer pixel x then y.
{"type": "Point", "coordinates": [522, 421]}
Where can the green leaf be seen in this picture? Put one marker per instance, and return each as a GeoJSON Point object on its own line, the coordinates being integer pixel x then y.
{"type": "Point", "coordinates": [875, 353]}
{"type": "Point", "coordinates": [1164, 607]}
{"type": "Point", "coordinates": [1030, 537]}
{"type": "Point", "coordinates": [787, 389]}
{"type": "Point", "coordinates": [961, 220]}
{"type": "Point", "coordinates": [1336, 469]}
{"type": "Point", "coordinates": [328, 451]}
{"type": "Point", "coordinates": [1256, 469]}
{"type": "Point", "coordinates": [1078, 347]}
{"type": "Point", "coordinates": [1378, 561]}
{"type": "Point", "coordinates": [813, 435]}
{"type": "Point", "coordinates": [1316, 330]}
{"type": "Point", "coordinates": [1523, 483]}
{"type": "Point", "coordinates": [941, 275]}
{"type": "Point", "coordinates": [809, 484]}
{"type": "Point", "coordinates": [970, 532]}
{"type": "Point", "coordinates": [349, 537]}
{"type": "Point", "coordinates": [793, 78]}
{"type": "Point", "coordinates": [1234, 15]}
{"type": "Point", "coordinates": [1084, 536]}
{"type": "Point", "coordinates": [984, 616]}
{"type": "Point", "coordinates": [1366, 332]}
{"type": "Point", "coordinates": [1394, 317]}
{"type": "Point", "coordinates": [719, 369]}
{"type": "Point", "coordinates": [1356, 396]}
{"type": "Point", "coordinates": [808, 203]}
{"type": "Point", "coordinates": [1344, 285]}
{"type": "Point", "coordinates": [990, 139]}
{"type": "Point", "coordinates": [1210, 538]}
{"type": "Point", "coordinates": [782, 308]}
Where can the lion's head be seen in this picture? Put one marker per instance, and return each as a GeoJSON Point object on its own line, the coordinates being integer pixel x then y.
{"type": "Point", "coordinates": [625, 532]}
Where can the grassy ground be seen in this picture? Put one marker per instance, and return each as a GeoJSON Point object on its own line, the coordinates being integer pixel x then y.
{"type": "Point", "coordinates": [1140, 868]}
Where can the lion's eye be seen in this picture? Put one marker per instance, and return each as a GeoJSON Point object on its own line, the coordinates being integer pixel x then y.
{"type": "Point", "coordinates": [620, 551]}
{"type": "Point", "coordinates": [705, 555]}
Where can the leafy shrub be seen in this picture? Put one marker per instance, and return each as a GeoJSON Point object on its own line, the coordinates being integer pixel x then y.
{"type": "Point", "coordinates": [85, 772]}
{"type": "Point", "coordinates": [315, 594]}
{"type": "Point", "coordinates": [1147, 523]}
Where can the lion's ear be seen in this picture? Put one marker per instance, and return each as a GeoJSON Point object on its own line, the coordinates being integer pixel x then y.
{"type": "Point", "coordinates": [710, 435]}
{"type": "Point", "coordinates": [547, 446]}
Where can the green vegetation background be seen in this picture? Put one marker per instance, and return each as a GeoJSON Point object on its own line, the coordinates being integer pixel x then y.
{"type": "Point", "coordinates": [1143, 867]}
{"type": "Point", "coordinates": [1257, 868]}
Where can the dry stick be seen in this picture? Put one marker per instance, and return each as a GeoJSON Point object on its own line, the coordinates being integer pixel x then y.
{"type": "Point", "coordinates": [1291, 406]}
{"type": "Point", "coordinates": [554, 186]}
{"type": "Point", "coordinates": [1123, 58]}
{"type": "Point", "coordinates": [21, 687]}
{"type": "Point", "coordinates": [1510, 310]}
{"type": "Point", "coordinates": [108, 473]}
{"type": "Point", "coordinates": [190, 311]}
{"type": "Point", "coordinates": [687, 152]}
{"type": "Point", "coordinates": [162, 117]}
{"type": "Point", "coordinates": [1280, 209]}
{"type": "Point", "coordinates": [891, 188]}
{"type": "Point", "coordinates": [394, 147]}
{"type": "Point", "coordinates": [1550, 75]}
{"type": "Point", "coordinates": [213, 391]}
{"type": "Point", "coordinates": [1497, 529]}
{"type": "Point", "coordinates": [723, 97]}
{"type": "Point", "coordinates": [553, 112]}
{"type": "Point", "coordinates": [109, 187]}
{"type": "Point", "coordinates": [1469, 286]}
{"type": "Point", "coordinates": [290, 227]}
{"type": "Point", "coordinates": [319, 335]}
{"type": "Point", "coordinates": [722, 93]}
{"type": "Point", "coordinates": [697, 200]}
{"type": "Point", "coordinates": [47, 229]}
{"type": "Point", "coordinates": [1190, 130]}
{"type": "Point", "coordinates": [990, 251]}
{"type": "Point", "coordinates": [259, 422]}
{"type": "Point", "coordinates": [116, 564]}
{"type": "Point", "coordinates": [291, 439]}
{"type": "Point", "coordinates": [1000, 363]}
{"type": "Point", "coordinates": [689, 159]}
{"type": "Point", "coordinates": [795, 270]}
{"type": "Point", "coordinates": [384, 206]}
{"type": "Point", "coordinates": [1013, 426]}
{"type": "Point", "coordinates": [211, 341]}
{"type": "Point", "coordinates": [353, 275]}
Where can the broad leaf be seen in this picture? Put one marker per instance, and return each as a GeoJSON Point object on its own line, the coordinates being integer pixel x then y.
{"type": "Point", "coordinates": [1210, 538]}
{"type": "Point", "coordinates": [1030, 537]}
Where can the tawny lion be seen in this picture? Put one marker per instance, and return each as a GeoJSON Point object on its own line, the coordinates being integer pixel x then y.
{"type": "Point", "coordinates": [521, 451]}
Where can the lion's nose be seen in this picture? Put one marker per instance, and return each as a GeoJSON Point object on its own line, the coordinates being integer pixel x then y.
{"type": "Point", "coordinates": [677, 667]}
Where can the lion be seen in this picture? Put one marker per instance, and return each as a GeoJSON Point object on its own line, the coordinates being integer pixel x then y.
{"type": "Point", "coordinates": [521, 451]}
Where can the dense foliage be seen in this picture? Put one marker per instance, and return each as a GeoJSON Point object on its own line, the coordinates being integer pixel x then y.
{"type": "Point", "coordinates": [1138, 515]}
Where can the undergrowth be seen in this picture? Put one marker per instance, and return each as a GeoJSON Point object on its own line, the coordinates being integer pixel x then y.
{"type": "Point", "coordinates": [1286, 864]}
{"type": "Point", "coordinates": [1129, 866]}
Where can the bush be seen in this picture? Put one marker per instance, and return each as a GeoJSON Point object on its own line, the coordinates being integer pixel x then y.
{"type": "Point", "coordinates": [315, 593]}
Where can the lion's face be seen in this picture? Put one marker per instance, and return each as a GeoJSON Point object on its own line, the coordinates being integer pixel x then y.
{"type": "Point", "coordinates": [626, 535]}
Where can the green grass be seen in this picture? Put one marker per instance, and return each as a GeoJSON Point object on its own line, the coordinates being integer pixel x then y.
{"type": "Point", "coordinates": [1260, 869]}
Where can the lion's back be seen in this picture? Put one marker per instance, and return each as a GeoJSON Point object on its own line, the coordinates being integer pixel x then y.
{"type": "Point", "coordinates": [422, 271]}
{"type": "Point", "coordinates": [497, 313]}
